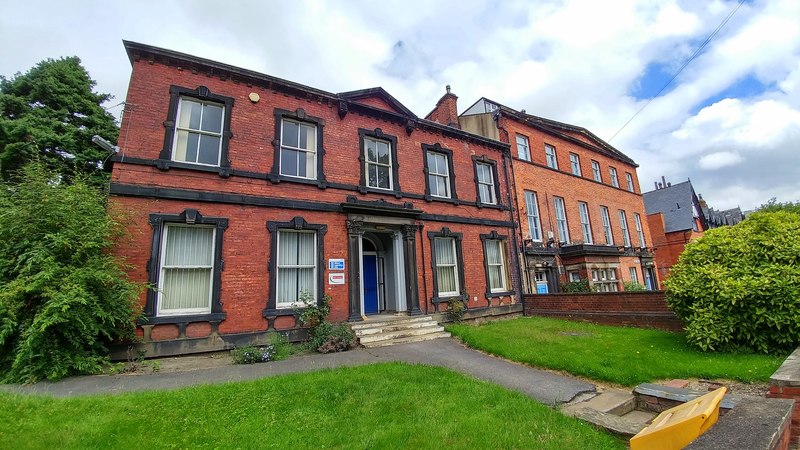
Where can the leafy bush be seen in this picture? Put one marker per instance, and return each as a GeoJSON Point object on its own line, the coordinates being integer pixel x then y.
{"type": "Point", "coordinates": [323, 336]}
{"type": "Point", "coordinates": [63, 297]}
{"type": "Point", "coordinates": [253, 354]}
{"type": "Point", "coordinates": [738, 288]}
{"type": "Point", "coordinates": [633, 286]}
{"type": "Point", "coordinates": [577, 286]}
{"type": "Point", "coordinates": [455, 309]}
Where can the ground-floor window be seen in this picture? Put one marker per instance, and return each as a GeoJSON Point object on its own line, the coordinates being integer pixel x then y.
{"type": "Point", "coordinates": [496, 264]}
{"type": "Point", "coordinates": [634, 275]}
{"type": "Point", "coordinates": [447, 283]}
{"type": "Point", "coordinates": [187, 265]}
{"type": "Point", "coordinates": [605, 280]}
{"type": "Point", "coordinates": [297, 268]}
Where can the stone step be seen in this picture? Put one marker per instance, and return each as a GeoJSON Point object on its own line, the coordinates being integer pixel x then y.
{"type": "Point", "coordinates": [622, 426]}
{"type": "Point", "coordinates": [388, 322]}
{"type": "Point", "coordinates": [398, 334]}
{"type": "Point", "coordinates": [394, 327]}
{"type": "Point", "coordinates": [419, 338]}
{"type": "Point", "coordinates": [639, 416]}
{"type": "Point", "coordinates": [613, 401]}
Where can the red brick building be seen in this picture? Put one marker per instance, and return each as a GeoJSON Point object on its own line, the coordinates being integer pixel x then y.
{"type": "Point", "coordinates": [578, 201]}
{"type": "Point", "coordinates": [244, 194]}
{"type": "Point", "coordinates": [675, 218]}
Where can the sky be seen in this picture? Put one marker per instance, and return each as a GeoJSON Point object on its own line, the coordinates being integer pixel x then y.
{"type": "Point", "coordinates": [730, 121]}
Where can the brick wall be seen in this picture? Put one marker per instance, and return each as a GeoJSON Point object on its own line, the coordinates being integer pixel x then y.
{"type": "Point", "coordinates": [785, 383]}
{"type": "Point", "coordinates": [639, 309]}
{"type": "Point", "coordinates": [669, 246]}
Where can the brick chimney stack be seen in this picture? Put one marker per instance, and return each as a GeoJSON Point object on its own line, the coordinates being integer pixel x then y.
{"type": "Point", "coordinates": [446, 110]}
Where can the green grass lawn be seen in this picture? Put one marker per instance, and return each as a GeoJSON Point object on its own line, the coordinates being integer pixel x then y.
{"type": "Point", "coordinates": [622, 355]}
{"type": "Point", "coordinates": [390, 405]}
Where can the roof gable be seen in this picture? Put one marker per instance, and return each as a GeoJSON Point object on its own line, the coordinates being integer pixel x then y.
{"type": "Point", "coordinates": [378, 98]}
{"type": "Point", "coordinates": [676, 202]}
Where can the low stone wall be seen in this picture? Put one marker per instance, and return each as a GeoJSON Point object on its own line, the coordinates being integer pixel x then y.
{"type": "Point", "coordinates": [785, 383]}
{"type": "Point", "coordinates": [644, 309]}
{"type": "Point", "coordinates": [483, 314]}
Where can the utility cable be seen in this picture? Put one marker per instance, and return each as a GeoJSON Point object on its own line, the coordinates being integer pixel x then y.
{"type": "Point", "coordinates": [692, 58]}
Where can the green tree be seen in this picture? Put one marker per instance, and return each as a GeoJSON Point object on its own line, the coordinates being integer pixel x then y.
{"type": "Point", "coordinates": [63, 297]}
{"type": "Point", "coordinates": [50, 114]}
{"type": "Point", "coordinates": [773, 205]}
{"type": "Point", "coordinates": [739, 287]}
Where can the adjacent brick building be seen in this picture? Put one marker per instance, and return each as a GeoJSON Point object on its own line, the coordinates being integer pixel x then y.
{"type": "Point", "coordinates": [577, 198]}
{"type": "Point", "coordinates": [244, 194]}
{"type": "Point", "coordinates": [675, 218]}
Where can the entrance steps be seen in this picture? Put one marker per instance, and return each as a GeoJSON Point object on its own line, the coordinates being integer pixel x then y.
{"type": "Point", "coordinates": [613, 410]}
{"type": "Point", "coordinates": [380, 331]}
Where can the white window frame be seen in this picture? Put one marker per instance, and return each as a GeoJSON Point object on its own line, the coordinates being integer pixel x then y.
{"type": "Point", "coordinates": [178, 128]}
{"type": "Point", "coordinates": [634, 275]}
{"type": "Point", "coordinates": [550, 156]}
{"type": "Point", "coordinates": [453, 266]}
{"type": "Point", "coordinates": [523, 148]}
{"type": "Point", "coordinates": [575, 164]}
{"type": "Point", "coordinates": [561, 219]}
{"type": "Point", "coordinates": [280, 304]}
{"type": "Point", "coordinates": [532, 210]}
{"type": "Point", "coordinates": [160, 312]}
{"type": "Point", "coordinates": [586, 226]}
{"type": "Point", "coordinates": [376, 164]}
{"type": "Point", "coordinates": [623, 223]}
{"type": "Point", "coordinates": [639, 231]}
{"type": "Point", "coordinates": [489, 184]}
{"type": "Point", "coordinates": [574, 276]}
{"type": "Point", "coordinates": [629, 180]}
{"type": "Point", "coordinates": [614, 179]}
{"type": "Point", "coordinates": [310, 152]}
{"type": "Point", "coordinates": [607, 231]}
{"type": "Point", "coordinates": [596, 174]}
{"type": "Point", "coordinates": [605, 280]}
{"type": "Point", "coordinates": [445, 175]}
{"type": "Point", "coordinates": [502, 264]}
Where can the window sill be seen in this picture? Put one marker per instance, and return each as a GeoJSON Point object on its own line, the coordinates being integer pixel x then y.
{"type": "Point", "coordinates": [373, 190]}
{"type": "Point", "coordinates": [274, 312]}
{"type": "Point", "coordinates": [159, 320]}
{"type": "Point", "coordinates": [164, 164]}
{"type": "Point", "coordinates": [433, 198]}
{"type": "Point", "coordinates": [276, 178]}
{"type": "Point", "coordinates": [462, 297]}
{"type": "Point", "coordinates": [499, 294]}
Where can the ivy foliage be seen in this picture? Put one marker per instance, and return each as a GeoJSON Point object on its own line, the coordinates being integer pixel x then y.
{"type": "Point", "coordinates": [50, 114]}
{"type": "Point", "coordinates": [738, 288]}
{"type": "Point", "coordinates": [63, 297]}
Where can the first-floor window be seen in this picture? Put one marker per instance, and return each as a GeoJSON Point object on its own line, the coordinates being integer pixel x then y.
{"type": "Point", "coordinates": [297, 268]}
{"type": "Point", "coordinates": [532, 210]}
{"type": "Point", "coordinates": [495, 265]}
{"type": "Point", "coordinates": [187, 266]}
{"type": "Point", "coordinates": [623, 225]}
{"type": "Point", "coordinates": [607, 225]}
{"type": "Point", "coordinates": [447, 283]}
{"type": "Point", "coordinates": [605, 280]}
{"type": "Point", "coordinates": [198, 132]}
{"type": "Point", "coordinates": [561, 219]}
{"type": "Point", "coordinates": [298, 149]}
{"type": "Point", "coordinates": [438, 174]}
{"type": "Point", "coordinates": [586, 227]}
{"type": "Point", "coordinates": [486, 193]}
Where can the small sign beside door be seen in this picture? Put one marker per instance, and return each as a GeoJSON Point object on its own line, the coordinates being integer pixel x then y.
{"type": "Point", "coordinates": [336, 278]}
{"type": "Point", "coordinates": [336, 264]}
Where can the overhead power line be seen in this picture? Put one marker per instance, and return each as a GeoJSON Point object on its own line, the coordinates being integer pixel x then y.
{"type": "Point", "coordinates": [686, 63]}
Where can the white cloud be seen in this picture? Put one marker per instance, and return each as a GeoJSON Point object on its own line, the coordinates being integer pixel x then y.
{"type": "Point", "coordinates": [719, 159]}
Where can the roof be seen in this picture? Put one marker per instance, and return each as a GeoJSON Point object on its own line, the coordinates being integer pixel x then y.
{"type": "Point", "coordinates": [346, 101]}
{"type": "Point", "coordinates": [558, 128]}
{"type": "Point", "coordinates": [675, 203]}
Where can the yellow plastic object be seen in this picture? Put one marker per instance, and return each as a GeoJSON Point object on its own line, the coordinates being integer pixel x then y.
{"type": "Point", "coordinates": [676, 427]}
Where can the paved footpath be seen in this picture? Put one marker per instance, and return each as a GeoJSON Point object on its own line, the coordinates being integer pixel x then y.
{"type": "Point", "coordinates": [540, 385]}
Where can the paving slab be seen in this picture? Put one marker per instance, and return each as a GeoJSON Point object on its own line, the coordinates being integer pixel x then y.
{"type": "Point", "coordinates": [540, 385]}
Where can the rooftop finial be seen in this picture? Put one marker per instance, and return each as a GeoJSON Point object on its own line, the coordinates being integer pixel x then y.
{"type": "Point", "coordinates": [447, 88]}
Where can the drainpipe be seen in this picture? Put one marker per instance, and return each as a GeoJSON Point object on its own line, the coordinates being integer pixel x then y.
{"type": "Point", "coordinates": [424, 272]}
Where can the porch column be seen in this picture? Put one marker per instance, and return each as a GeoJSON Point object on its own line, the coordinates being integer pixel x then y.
{"type": "Point", "coordinates": [410, 264]}
{"type": "Point", "coordinates": [355, 231]}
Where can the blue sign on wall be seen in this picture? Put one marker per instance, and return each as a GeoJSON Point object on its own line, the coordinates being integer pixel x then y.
{"type": "Point", "coordinates": [541, 287]}
{"type": "Point", "coordinates": [336, 264]}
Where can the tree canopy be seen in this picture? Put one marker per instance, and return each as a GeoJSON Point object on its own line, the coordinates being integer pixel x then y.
{"type": "Point", "coordinates": [50, 114]}
{"type": "Point", "coordinates": [738, 287]}
{"type": "Point", "coordinates": [773, 205]}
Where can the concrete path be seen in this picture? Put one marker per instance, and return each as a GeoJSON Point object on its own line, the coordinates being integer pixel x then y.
{"type": "Point", "coordinates": [540, 385]}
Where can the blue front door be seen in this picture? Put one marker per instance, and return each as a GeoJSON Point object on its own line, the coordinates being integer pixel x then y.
{"type": "Point", "coordinates": [369, 277]}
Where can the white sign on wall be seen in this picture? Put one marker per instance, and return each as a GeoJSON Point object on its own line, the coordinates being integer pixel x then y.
{"type": "Point", "coordinates": [336, 278]}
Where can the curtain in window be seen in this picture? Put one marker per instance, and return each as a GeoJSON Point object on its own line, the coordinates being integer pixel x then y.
{"type": "Point", "coordinates": [494, 259]}
{"type": "Point", "coordinates": [296, 266]}
{"type": "Point", "coordinates": [445, 265]}
{"type": "Point", "coordinates": [187, 268]}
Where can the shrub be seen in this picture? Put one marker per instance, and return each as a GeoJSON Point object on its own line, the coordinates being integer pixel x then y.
{"type": "Point", "coordinates": [577, 286]}
{"type": "Point", "coordinates": [324, 336]}
{"type": "Point", "coordinates": [455, 309]}
{"type": "Point", "coordinates": [63, 297]}
{"type": "Point", "coordinates": [253, 354]}
{"type": "Point", "coordinates": [633, 286]}
{"type": "Point", "coordinates": [738, 288]}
